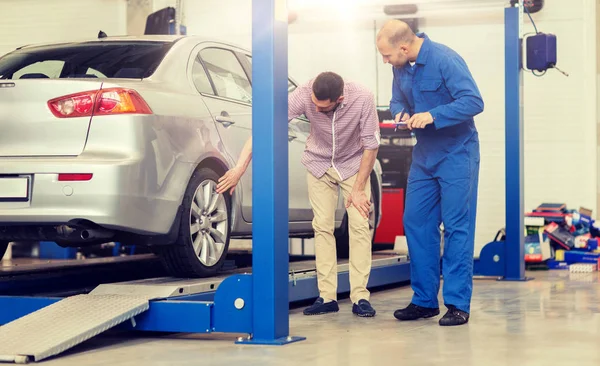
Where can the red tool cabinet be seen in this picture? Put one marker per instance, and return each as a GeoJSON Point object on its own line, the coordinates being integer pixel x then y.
{"type": "Point", "coordinates": [391, 219]}
{"type": "Point", "coordinates": [395, 157]}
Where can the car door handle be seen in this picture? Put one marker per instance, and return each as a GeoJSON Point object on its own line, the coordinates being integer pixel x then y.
{"type": "Point", "coordinates": [225, 120]}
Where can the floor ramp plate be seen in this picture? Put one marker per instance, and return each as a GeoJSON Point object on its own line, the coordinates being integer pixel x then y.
{"type": "Point", "coordinates": [65, 324]}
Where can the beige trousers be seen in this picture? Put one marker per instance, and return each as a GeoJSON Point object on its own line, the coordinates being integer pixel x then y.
{"type": "Point", "coordinates": [323, 194]}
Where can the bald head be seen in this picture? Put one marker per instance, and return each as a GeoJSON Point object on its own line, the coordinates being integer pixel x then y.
{"type": "Point", "coordinates": [396, 32]}
{"type": "Point", "coordinates": [397, 43]}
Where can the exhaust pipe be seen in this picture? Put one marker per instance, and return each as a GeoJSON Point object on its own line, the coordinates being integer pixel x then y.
{"type": "Point", "coordinates": [77, 234]}
{"type": "Point", "coordinates": [90, 234]}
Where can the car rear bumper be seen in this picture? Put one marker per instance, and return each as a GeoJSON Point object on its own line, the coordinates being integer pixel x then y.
{"type": "Point", "coordinates": [122, 195]}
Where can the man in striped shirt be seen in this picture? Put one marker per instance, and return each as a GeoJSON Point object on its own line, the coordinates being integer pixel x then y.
{"type": "Point", "coordinates": [340, 153]}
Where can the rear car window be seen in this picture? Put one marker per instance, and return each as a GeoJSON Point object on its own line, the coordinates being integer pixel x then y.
{"type": "Point", "coordinates": [114, 59]}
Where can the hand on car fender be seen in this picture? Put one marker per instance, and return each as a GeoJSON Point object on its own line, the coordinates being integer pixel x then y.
{"type": "Point", "coordinates": [359, 200]}
{"type": "Point", "coordinates": [419, 120]}
{"type": "Point", "coordinates": [229, 180]}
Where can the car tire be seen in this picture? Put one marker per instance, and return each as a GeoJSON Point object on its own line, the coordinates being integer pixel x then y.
{"type": "Point", "coordinates": [204, 233]}
{"type": "Point", "coordinates": [3, 248]}
{"type": "Point", "coordinates": [342, 235]}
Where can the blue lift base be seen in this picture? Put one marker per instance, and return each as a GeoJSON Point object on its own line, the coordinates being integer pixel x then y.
{"type": "Point", "coordinates": [492, 262]}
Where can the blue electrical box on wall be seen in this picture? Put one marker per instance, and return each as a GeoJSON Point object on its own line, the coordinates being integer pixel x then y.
{"type": "Point", "coordinates": [541, 51]}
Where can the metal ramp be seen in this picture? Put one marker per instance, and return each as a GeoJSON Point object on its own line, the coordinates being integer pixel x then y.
{"type": "Point", "coordinates": [161, 287]}
{"type": "Point", "coordinates": [65, 324]}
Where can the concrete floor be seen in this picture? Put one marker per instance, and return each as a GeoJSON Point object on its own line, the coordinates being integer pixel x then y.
{"type": "Point", "coordinates": [553, 320]}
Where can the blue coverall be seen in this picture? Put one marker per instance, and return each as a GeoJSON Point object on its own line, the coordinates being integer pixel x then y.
{"type": "Point", "coordinates": [443, 178]}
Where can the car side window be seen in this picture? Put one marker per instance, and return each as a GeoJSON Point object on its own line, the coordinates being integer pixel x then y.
{"type": "Point", "coordinates": [227, 74]}
{"type": "Point", "coordinates": [201, 80]}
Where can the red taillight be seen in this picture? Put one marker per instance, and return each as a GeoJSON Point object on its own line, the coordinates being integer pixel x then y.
{"type": "Point", "coordinates": [100, 102]}
{"type": "Point", "coordinates": [76, 105]}
{"type": "Point", "coordinates": [74, 177]}
{"type": "Point", "coordinates": [107, 104]}
{"type": "Point", "coordinates": [119, 101]}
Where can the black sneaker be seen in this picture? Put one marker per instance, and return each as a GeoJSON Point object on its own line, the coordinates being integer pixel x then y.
{"type": "Point", "coordinates": [363, 309]}
{"type": "Point", "coordinates": [320, 307]}
{"type": "Point", "coordinates": [454, 317]}
{"type": "Point", "coordinates": [414, 312]}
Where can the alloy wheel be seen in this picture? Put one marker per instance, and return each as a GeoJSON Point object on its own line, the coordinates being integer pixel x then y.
{"type": "Point", "coordinates": [209, 223]}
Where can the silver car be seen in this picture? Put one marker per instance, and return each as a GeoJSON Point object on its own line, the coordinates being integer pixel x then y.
{"type": "Point", "coordinates": [123, 140]}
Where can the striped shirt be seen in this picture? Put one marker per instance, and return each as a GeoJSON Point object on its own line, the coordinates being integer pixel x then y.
{"type": "Point", "coordinates": [338, 138]}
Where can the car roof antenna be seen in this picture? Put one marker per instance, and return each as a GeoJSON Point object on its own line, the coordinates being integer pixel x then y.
{"type": "Point", "coordinates": [101, 34]}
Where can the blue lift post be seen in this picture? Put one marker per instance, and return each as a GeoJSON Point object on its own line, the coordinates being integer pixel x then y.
{"type": "Point", "coordinates": [506, 259]}
{"type": "Point", "coordinates": [514, 245]}
{"type": "Point", "coordinates": [270, 231]}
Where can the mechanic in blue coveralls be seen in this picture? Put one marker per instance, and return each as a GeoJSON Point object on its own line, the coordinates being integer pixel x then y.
{"type": "Point", "coordinates": [435, 96]}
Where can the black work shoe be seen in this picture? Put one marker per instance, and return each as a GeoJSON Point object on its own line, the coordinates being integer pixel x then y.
{"type": "Point", "coordinates": [454, 317]}
{"type": "Point", "coordinates": [414, 312]}
{"type": "Point", "coordinates": [320, 307]}
{"type": "Point", "coordinates": [363, 309]}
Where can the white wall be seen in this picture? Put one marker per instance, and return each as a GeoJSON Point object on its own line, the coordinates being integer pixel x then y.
{"type": "Point", "coordinates": [34, 21]}
{"type": "Point", "coordinates": [312, 47]}
{"type": "Point", "coordinates": [137, 14]}
{"type": "Point", "coordinates": [560, 112]}
{"type": "Point", "coordinates": [226, 20]}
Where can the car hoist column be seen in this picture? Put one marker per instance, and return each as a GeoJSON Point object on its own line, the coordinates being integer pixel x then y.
{"type": "Point", "coordinates": [270, 196]}
{"type": "Point", "coordinates": [515, 209]}
{"type": "Point", "coordinates": [506, 258]}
